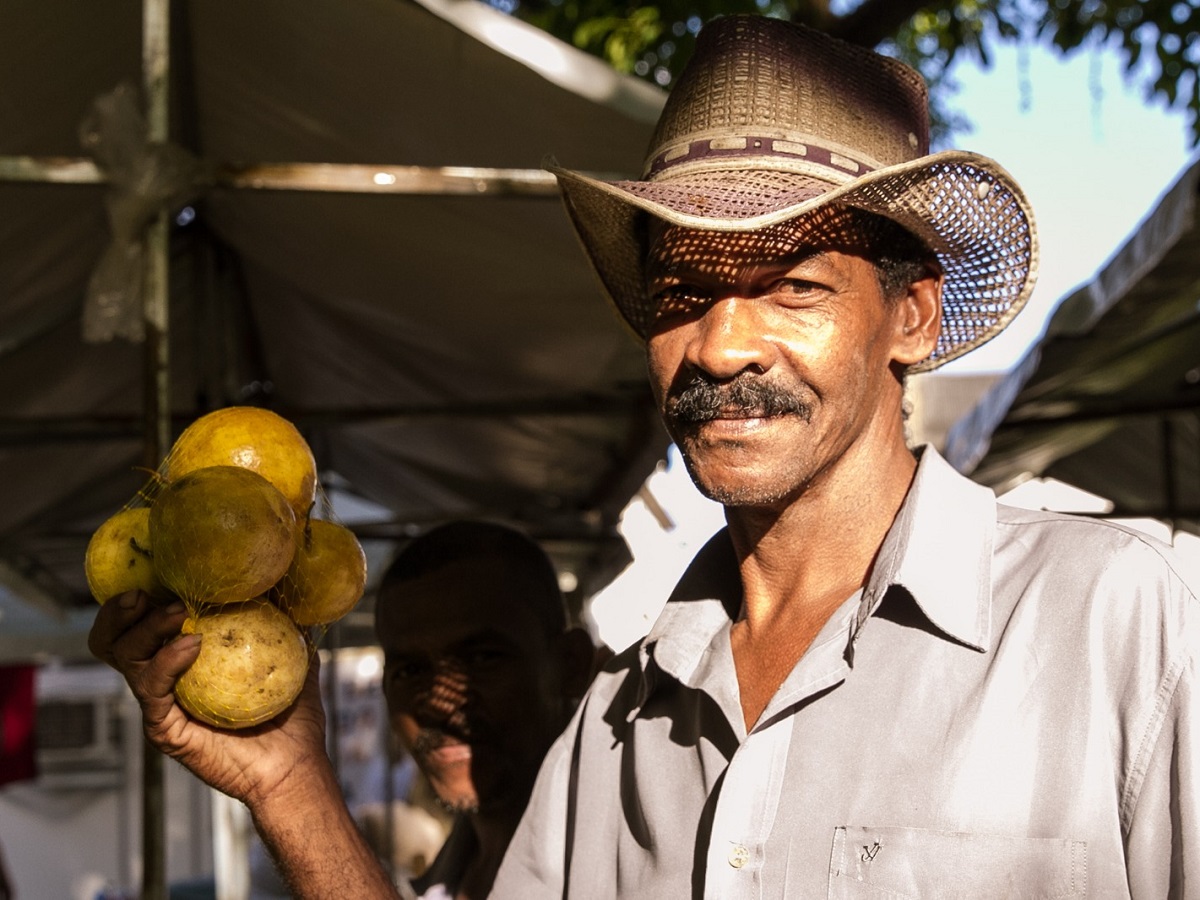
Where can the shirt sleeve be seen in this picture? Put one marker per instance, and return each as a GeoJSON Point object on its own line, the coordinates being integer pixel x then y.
{"type": "Point", "coordinates": [535, 864]}
{"type": "Point", "coordinates": [1163, 836]}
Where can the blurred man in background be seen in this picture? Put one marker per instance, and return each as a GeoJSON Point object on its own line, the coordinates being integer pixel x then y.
{"type": "Point", "coordinates": [480, 675]}
{"type": "Point", "coordinates": [481, 672]}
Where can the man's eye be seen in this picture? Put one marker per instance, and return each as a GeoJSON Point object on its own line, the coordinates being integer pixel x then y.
{"type": "Point", "coordinates": [796, 290]}
{"type": "Point", "coordinates": [403, 669]}
{"type": "Point", "coordinates": [793, 286]}
{"type": "Point", "coordinates": [481, 657]}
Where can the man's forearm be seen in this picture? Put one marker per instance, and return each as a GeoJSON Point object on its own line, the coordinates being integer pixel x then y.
{"type": "Point", "coordinates": [315, 843]}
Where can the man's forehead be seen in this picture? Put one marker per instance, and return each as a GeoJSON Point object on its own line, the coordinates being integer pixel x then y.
{"type": "Point", "coordinates": [673, 246]}
{"type": "Point", "coordinates": [468, 593]}
{"type": "Point", "coordinates": [450, 630]}
{"type": "Point", "coordinates": [450, 636]}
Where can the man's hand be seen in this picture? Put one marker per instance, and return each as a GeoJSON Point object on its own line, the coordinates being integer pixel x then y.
{"type": "Point", "coordinates": [279, 769]}
{"type": "Point", "coordinates": [142, 642]}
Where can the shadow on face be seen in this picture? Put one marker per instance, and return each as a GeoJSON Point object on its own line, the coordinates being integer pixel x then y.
{"type": "Point", "coordinates": [477, 688]}
{"type": "Point", "coordinates": [678, 256]}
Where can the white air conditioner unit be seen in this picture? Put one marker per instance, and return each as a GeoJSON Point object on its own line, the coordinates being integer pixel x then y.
{"type": "Point", "coordinates": [80, 734]}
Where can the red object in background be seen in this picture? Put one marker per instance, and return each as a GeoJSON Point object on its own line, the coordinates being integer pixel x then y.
{"type": "Point", "coordinates": [17, 733]}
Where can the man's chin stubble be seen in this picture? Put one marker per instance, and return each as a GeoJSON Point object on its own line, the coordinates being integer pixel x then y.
{"type": "Point", "coordinates": [462, 806]}
{"type": "Point", "coordinates": [747, 491]}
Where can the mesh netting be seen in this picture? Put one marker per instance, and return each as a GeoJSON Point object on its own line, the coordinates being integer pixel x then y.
{"type": "Point", "coordinates": [252, 665]}
{"type": "Point", "coordinates": [327, 576]}
{"type": "Point", "coordinates": [261, 580]}
{"type": "Point", "coordinates": [312, 567]}
{"type": "Point", "coordinates": [221, 534]}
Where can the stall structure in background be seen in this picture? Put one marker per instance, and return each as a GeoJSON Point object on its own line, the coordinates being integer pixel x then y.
{"type": "Point", "coordinates": [343, 207]}
{"type": "Point", "coordinates": [1109, 399]}
{"type": "Point", "coordinates": [362, 239]}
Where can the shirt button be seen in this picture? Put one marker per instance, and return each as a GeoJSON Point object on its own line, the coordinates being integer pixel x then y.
{"type": "Point", "coordinates": [738, 856]}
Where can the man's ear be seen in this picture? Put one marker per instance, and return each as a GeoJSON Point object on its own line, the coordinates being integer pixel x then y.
{"type": "Point", "coordinates": [919, 318]}
{"type": "Point", "coordinates": [578, 655]}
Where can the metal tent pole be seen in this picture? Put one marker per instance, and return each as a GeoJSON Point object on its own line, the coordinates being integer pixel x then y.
{"type": "Point", "coordinates": [1170, 481]}
{"type": "Point", "coordinates": [157, 397]}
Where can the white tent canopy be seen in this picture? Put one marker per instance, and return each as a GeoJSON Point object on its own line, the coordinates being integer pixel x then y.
{"type": "Point", "coordinates": [446, 354]}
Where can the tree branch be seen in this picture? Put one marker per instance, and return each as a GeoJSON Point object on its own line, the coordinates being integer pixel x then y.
{"type": "Point", "coordinates": [875, 20]}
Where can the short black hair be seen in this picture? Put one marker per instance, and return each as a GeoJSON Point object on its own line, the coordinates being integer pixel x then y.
{"type": "Point", "coordinates": [471, 539]}
{"type": "Point", "coordinates": [899, 256]}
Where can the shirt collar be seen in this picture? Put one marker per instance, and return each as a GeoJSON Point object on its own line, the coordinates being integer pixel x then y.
{"type": "Point", "coordinates": [939, 549]}
{"type": "Point", "coordinates": [704, 602]}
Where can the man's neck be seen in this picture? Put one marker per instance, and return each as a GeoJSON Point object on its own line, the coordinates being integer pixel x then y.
{"type": "Point", "coordinates": [801, 561]}
{"type": "Point", "coordinates": [493, 832]}
{"type": "Point", "coordinates": [823, 539]}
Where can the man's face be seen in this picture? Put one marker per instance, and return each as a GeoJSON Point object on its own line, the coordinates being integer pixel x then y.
{"type": "Point", "coordinates": [472, 682]}
{"type": "Point", "coordinates": [773, 353]}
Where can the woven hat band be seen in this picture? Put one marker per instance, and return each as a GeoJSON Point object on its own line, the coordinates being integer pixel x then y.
{"type": "Point", "coordinates": [809, 155]}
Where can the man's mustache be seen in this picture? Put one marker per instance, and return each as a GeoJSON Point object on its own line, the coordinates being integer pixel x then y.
{"type": "Point", "coordinates": [430, 739]}
{"type": "Point", "coordinates": [699, 399]}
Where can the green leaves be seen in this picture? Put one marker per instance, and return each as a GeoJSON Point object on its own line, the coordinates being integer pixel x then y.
{"type": "Point", "coordinates": [621, 40]}
{"type": "Point", "coordinates": [1159, 40]}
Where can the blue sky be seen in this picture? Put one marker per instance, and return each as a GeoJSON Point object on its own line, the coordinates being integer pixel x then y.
{"type": "Point", "coordinates": [1091, 154]}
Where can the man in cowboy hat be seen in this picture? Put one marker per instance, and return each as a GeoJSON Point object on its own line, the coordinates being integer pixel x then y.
{"type": "Point", "coordinates": [876, 681]}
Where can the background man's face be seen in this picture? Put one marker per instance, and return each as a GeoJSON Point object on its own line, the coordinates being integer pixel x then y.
{"type": "Point", "coordinates": [770, 356]}
{"type": "Point", "coordinates": [472, 682]}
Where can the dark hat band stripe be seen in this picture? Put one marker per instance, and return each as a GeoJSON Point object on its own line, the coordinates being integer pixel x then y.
{"type": "Point", "coordinates": [753, 147]}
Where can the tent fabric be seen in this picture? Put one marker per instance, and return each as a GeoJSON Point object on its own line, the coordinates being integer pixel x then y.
{"type": "Point", "coordinates": [1109, 399]}
{"type": "Point", "coordinates": [444, 355]}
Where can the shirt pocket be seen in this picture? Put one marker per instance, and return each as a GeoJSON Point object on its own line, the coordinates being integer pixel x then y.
{"type": "Point", "coordinates": [918, 863]}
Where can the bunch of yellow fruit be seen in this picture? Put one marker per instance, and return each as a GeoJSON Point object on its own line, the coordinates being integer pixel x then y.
{"type": "Point", "coordinates": [228, 529]}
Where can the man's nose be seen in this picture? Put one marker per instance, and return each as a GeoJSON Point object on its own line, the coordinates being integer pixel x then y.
{"type": "Point", "coordinates": [729, 338]}
{"type": "Point", "coordinates": [446, 692]}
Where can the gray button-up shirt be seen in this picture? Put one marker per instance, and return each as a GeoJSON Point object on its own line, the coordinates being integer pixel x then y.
{"type": "Point", "coordinates": [1006, 710]}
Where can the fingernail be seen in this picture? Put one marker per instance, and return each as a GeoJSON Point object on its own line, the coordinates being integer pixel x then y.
{"type": "Point", "coordinates": [128, 601]}
{"type": "Point", "coordinates": [187, 641]}
{"type": "Point", "coordinates": [174, 608]}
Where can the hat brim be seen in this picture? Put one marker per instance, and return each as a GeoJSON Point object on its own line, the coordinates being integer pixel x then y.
{"type": "Point", "coordinates": [964, 206]}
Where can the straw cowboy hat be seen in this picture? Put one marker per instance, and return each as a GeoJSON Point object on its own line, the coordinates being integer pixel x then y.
{"type": "Point", "coordinates": [771, 120]}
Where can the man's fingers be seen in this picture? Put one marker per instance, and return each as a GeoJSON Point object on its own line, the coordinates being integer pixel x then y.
{"type": "Point", "coordinates": [112, 619]}
{"type": "Point", "coordinates": [153, 683]}
{"type": "Point", "coordinates": [129, 630]}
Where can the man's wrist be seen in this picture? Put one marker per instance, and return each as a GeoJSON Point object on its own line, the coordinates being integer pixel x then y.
{"type": "Point", "coordinates": [311, 784]}
{"type": "Point", "coordinates": [313, 839]}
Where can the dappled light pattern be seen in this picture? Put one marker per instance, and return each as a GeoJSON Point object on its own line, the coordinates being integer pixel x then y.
{"type": "Point", "coordinates": [728, 257]}
{"type": "Point", "coordinates": [443, 698]}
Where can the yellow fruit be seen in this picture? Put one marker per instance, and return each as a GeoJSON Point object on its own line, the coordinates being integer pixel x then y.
{"type": "Point", "coordinates": [119, 557]}
{"type": "Point", "coordinates": [255, 439]}
{"type": "Point", "coordinates": [327, 575]}
{"type": "Point", "coordinates": [252, 664]}
{"type": "Point", "coordinates": [221, 535]}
